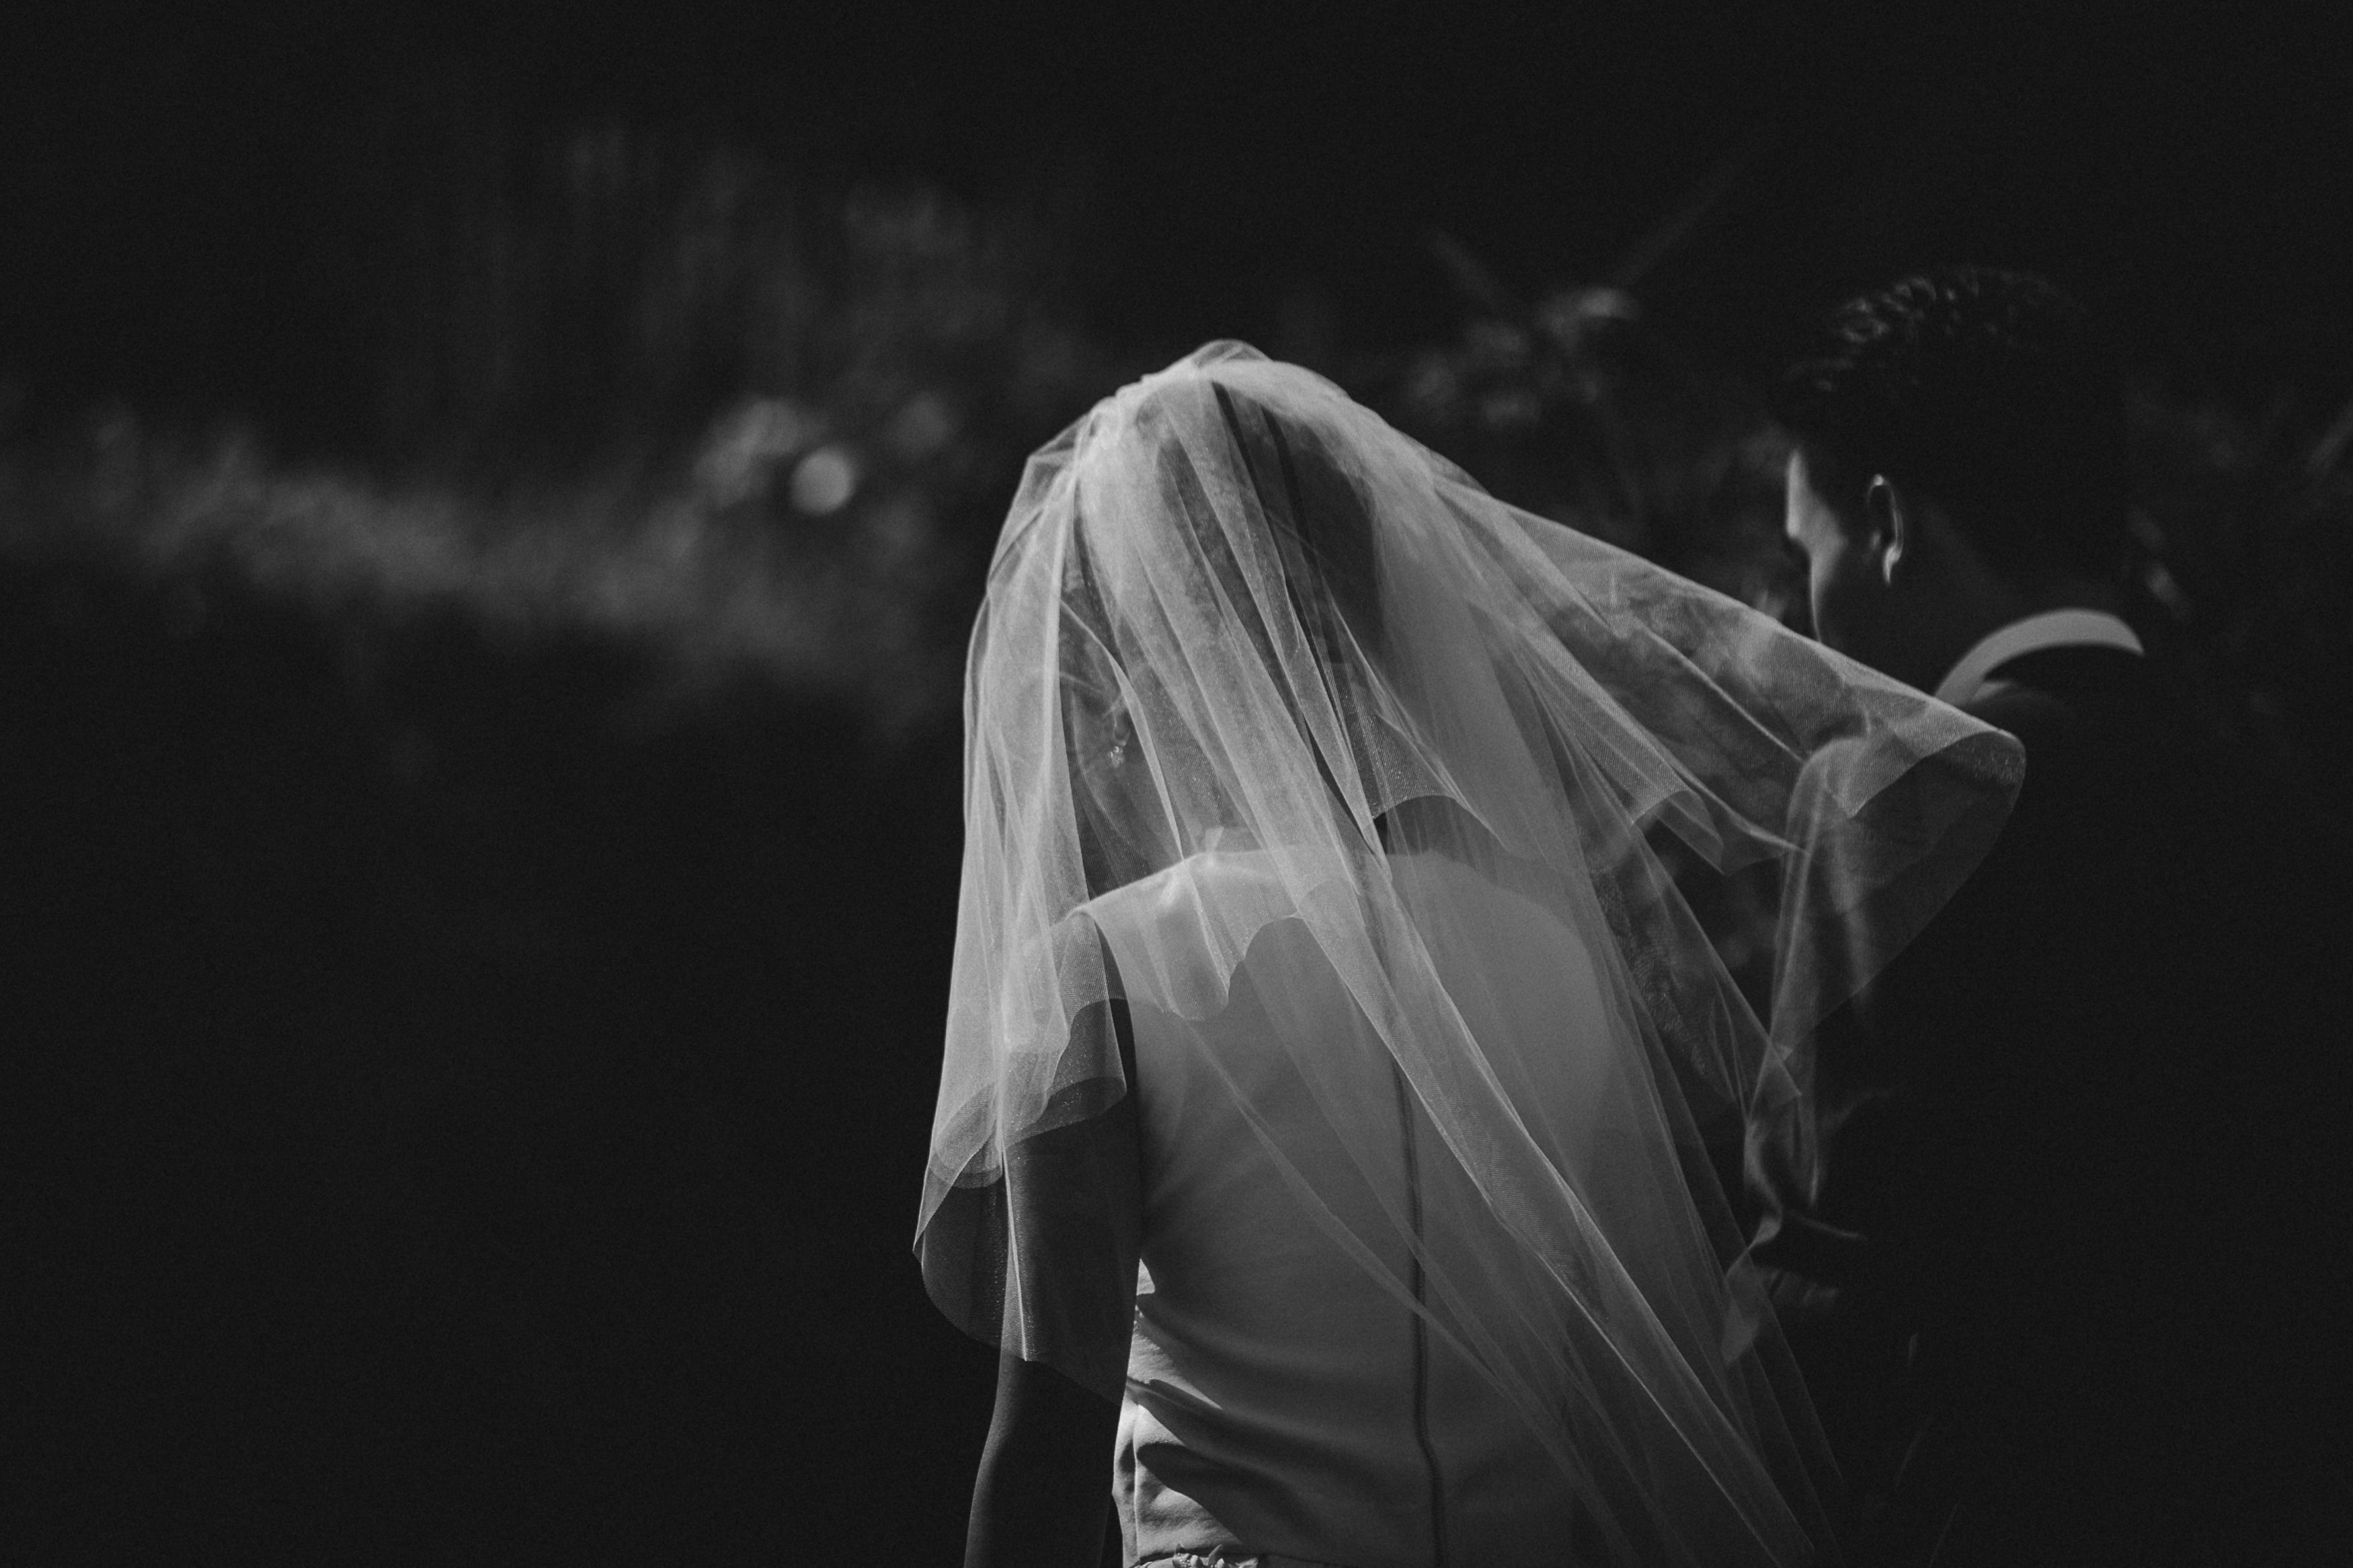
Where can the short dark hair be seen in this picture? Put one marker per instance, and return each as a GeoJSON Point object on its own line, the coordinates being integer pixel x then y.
{"type": "Point", "coordinates": [1991, 389]}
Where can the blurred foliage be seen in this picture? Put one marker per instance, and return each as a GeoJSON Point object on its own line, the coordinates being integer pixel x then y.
{"type": "Point", "coordinates": [599, 297]}
{"type": "Point", "coordinates": [2243, 525]}
{"type": "Point", "coordinates": [632, 391]}
{"type": "Point", "coordinates": [1580, 410]}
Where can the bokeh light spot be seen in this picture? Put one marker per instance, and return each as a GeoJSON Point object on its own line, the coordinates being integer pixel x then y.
{"type": "Point", "coordinates": [824, 481]}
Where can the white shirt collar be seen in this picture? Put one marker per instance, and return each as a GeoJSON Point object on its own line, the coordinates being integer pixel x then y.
{"type": "Point", "coordinates": [2074, 627]}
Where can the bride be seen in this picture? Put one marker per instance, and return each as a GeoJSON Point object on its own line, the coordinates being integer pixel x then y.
{"type": "Point", "coordinates": [1325, 1129]}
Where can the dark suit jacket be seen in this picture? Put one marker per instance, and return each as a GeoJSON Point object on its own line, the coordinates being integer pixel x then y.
{"type": "Point", "coordinates": [2061, 1298]}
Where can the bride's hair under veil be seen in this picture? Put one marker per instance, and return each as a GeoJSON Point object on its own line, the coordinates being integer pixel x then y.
{"type": "Point", "coordinates": [1261, 681]}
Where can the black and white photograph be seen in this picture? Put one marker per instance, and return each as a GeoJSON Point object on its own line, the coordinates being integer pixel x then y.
{"type": "Point", "coordinates": [1176, 786]}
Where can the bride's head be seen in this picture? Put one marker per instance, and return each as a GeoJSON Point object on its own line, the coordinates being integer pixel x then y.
{"type": "Point", "coordinates": [1242, 491]}
{"type": "Point", "coordinates": [1233, 609]}
{"type": "Point", "coordinates": [1221, 615]}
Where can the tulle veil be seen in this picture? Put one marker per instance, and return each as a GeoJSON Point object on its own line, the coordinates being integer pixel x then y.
{"type": "Point", "coordinates": [1234, 613]}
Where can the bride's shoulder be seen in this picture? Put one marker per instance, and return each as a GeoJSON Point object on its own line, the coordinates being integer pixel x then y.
{"type": "Point", "coordinates": [1254, 876]}
{"type": "Point", "coordinates": [1178, 933]}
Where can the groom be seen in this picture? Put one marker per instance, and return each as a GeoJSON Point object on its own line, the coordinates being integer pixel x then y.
{"type": "Point", "coordinates": [2055, 1295]}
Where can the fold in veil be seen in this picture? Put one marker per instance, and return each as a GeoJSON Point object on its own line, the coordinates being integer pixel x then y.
{"type": "Point", "coordinates": [1234, 613]}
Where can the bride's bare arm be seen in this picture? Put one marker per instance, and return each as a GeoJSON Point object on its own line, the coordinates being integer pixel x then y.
{"type": "Point", "coordinates": [1044, 1485]}
{"type": "Point", "coordinates": [1044, 1488]}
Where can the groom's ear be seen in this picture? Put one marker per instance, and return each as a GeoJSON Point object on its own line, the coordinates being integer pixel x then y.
{"type": "Point", "coordinates": [1890, 524]}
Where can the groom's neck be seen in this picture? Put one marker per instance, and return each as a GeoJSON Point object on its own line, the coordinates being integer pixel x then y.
{"type": "Point", "coordinates": [1965, 601]}
{"type": "Point", "coordinates": [1980, 615]}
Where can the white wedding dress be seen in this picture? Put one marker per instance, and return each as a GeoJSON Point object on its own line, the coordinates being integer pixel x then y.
{"type": "Point", "coordinates": [1278, 1399]}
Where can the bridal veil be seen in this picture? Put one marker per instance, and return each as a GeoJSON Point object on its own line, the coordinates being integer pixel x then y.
{"type": "Point", "coordinates": [1233, 612]}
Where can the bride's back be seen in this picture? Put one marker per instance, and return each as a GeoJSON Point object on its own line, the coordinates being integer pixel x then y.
{"type": "Point", "coordinates": [1283, 1394]}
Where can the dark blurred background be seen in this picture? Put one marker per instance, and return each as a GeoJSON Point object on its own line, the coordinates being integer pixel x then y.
{"type": "Point", "coordinates": [490, 500]}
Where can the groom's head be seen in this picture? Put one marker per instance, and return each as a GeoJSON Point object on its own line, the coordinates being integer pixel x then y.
{"type": "Point", "coordinates": [1958, 460]}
